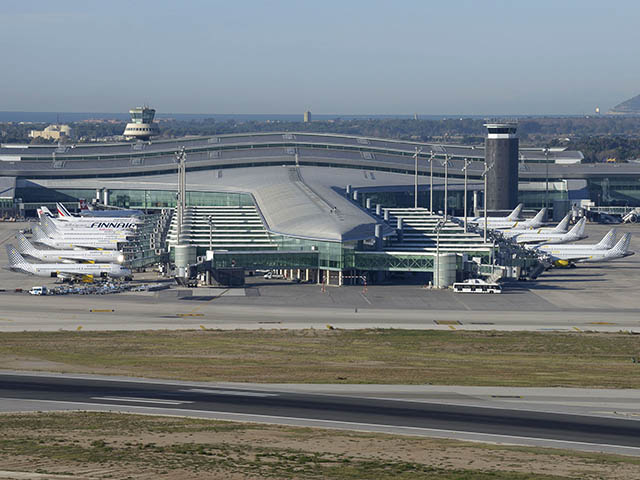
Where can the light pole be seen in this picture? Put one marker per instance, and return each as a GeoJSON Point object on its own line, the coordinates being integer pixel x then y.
{"type": "Point", "coordinates": [438, 227]}
{"type": "Point", "coordinates": [210, 218]}
{"type": "Point", "coordinates": [467, 162]}
{"type": "Point", "coordinates": [415, 179]}
{"type": "Point", "coordinates": [431, 159]}
{"type": "Point", "coordinates": [546, 185]}
{"type": "Point", "coordinates": [446, 182]}
{"type": "Point", "coordinates": [484, 174]}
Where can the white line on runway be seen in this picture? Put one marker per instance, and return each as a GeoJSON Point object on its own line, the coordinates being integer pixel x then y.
{"type": "Point", "coordinates": [365, 298]}
{"type": "Point", "coordinates": [143, 400]}
{"type": "Point", "coordinates": [358, 426]}
{"type": "Point", "coordinates": [239, 393]}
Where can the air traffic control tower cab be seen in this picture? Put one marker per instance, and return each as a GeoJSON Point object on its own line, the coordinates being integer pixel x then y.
{"type": "Point", "coordinates": [141, 126]}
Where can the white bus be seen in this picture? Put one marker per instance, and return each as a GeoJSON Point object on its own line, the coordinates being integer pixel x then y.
{"type": "Point", "coordinates": [475, 285]}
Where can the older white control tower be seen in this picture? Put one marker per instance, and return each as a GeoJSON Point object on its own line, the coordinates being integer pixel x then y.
{"type": "Point", "coordinates": [141, 126]}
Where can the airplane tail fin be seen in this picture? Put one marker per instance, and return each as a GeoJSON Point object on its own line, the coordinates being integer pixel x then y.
{"type": "Point", "coordinates": [62, 210]}
{"type": "Point", "coordinates": [38, 234]}
{"type": "Point", "coordinates": [608, 241]}
{"type": "Point", "coordinates": [46, 211]}
{"type": "Point", "coordinates": [622, 246]}
{"type": "Point", "coordinates": [16, 260]}
{"type": "Point", "coordinates": [24, 245]}
{"type": "Point", "coordinates": [515, 214]}
{"type": "Point", "coordinates": [48, 227]}
{"type": "Point", "coordinates": [563, 226]}
{"type": "Point", "coordinates": [538, 220]}
{"type": "Point", "coordinates": [578, 228]}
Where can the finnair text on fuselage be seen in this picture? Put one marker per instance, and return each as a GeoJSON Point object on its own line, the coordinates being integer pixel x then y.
{"type": "Point", "coordinates": [115, 225]}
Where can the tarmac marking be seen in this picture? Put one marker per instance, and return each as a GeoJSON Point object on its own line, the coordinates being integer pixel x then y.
{"type": "Point", "coordinates": [452, 327]}
{"type": "Point", "coordinates": [143, 400]}
{"type": "Point", "coordinates": [238, 393]}
{"type": "Point", "coordinates": [577, 329]}
{"type": "Point", "coordinates": [189, 314]}
{"type": "Point", "coordinates": [602, 323]}
{"type": "Point", "coordinates": [102, 310]}
{"type": "Point", "coordinates": [5, 320]}
{"type": "Point", "coordinates": [193, 312]}
{"type": "Point", "coordinates": [365, 298]}
{"type": "Point", "coordinates": [447, 322]}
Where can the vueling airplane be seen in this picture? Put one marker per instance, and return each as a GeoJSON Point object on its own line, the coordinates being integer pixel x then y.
{"type": "Point", "coordinates": [74, 242]}
{"type": "Point", "coordinates": [562, 256]}
{"type": "Point", "coordinates": [576, 233]}
{"type": "Point", "coordinates": [535, 222]}
{"type": "Point", "coordinates": [68, 256]}
{"type": "Point", "coordinates": [562, 227]}
{"type": "Point", "coordinates": [66, 271]}
{"type": "Point", "coordinates": [514, 216]}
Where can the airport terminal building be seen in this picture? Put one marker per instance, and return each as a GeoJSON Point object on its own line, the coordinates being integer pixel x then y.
{"type": "Point", "coordinates": [335, 203]}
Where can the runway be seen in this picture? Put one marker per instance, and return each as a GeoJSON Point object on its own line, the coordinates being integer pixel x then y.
{"type": "Point", "coordinates": [347, 409]}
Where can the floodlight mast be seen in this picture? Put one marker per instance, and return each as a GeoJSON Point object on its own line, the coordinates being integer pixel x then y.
{"type": "Point", "coordinates": [181, 156]}
{"type": "Point", "coordinates": [467, 162]}
{"type": "Point", "coordinates": [415, 178]}
{"type": "Point", "coordinates": [431, 159]}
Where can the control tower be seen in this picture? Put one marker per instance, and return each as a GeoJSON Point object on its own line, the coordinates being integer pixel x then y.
{"type": "Point", "coordinates": [501, 155]}
{"type": "Point", "coordinates": [141, 126]}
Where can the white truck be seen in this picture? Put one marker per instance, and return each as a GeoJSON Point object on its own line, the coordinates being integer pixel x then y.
{"type": "Point", "coordinates": [38, 290]}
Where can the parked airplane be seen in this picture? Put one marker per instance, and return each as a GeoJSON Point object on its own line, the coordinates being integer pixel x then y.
{"type": "Point", "coordinates": [607, 242]}
{"type": "Point", "coordinates": [576, 233]}
{"type": "Point", "coordinates": [562, 227]}
{"type": "Point", "coordinates": [39, 236]}
{"type": "Point", "coordinates": [80, 230]}
{"type": "Point", "coordinates": [562, 257]}
{"type": "Point", "coordinates": [131, 216]}
{"type": "Point", "coordinates": [67, 256]}
{"type": "Point", "coordinates": [514, 216]}
{"type": "Point", "coordinates": [81, 271]}
{"type": "Point", "coordinates": [534, 222]}
{"type": "Point", "coordinates": [128, 223]}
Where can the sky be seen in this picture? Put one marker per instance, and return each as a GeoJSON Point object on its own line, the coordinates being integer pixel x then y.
{"type": "Point", "coordinates": [432, 57]}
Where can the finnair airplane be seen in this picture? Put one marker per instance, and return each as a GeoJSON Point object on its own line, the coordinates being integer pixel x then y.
{"type": "Point", "coordinates": [97, 223]}
{"type": "Point", "coordinates": [562, 227]}
{"type": "Point", "coordinates": [67, 256]}
{"type": "Point", "coordinates": [535, 222]}
{"type": "Point", "coordinates": [576, 233]}
{"type": "Point", "coordinates": [514, 216]}
{"type": "Point", "coordinates": [561, 256]}
{"type": "Point", "coordinates": [80, 271]}
{"type": "Point", "coordinates": [75, 242]}
{"type": "Point", "coordinates": [53, 230]}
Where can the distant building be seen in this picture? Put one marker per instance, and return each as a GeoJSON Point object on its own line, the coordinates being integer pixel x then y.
{"type": "Point", "coordinates": [141, 126]}
{"type": "Point", "coordinates": [53, 132]}
{"type": "Point", "coordinates": [307, 116]}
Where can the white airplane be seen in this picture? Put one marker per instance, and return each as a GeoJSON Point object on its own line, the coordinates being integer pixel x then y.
{"type": "Point", "coordinates": [561, 256]}
{"type": "Point", "coordinates": [576, 233]}
{"type": "Point", "coordinates": [53, 230]}
{"type": "Point", "coordinates": [67, 256]}
{"type": "Point", "coordinates": [74, 242]}
{"type": "Point", "coordinates": [82, 271]}
{"type": "Point", "coordinates": [64, 214]}
{"type": "Point", "coordinates": [562, 227]}
{"type": "Point", "coordinates": [534, 222]}
{"type": "Point", "coordinates": [103, 224]}
{"type": "Point", "coordinates": [607, 242]}
{"type": "Point", "coordinates": [514, 216]}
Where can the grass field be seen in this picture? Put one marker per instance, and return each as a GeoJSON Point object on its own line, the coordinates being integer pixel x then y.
{"type": "Point", "coordinates": [111, 445]}
{"type": "Point", "coordinates": [338, 356]}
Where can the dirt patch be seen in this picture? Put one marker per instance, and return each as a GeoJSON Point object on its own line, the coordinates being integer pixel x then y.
{"type": "Point", "coordinates": [106, 445]}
